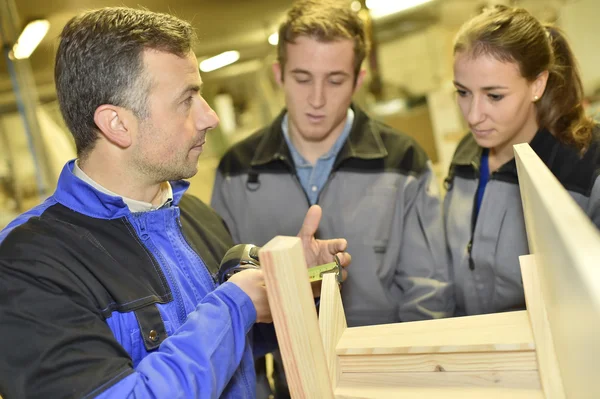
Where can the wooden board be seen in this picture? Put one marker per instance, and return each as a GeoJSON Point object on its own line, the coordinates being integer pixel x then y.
{"type": "Point", "coordinates": [546, 355]}
{"type": "Point", "coordinates": [431, 362]}
{"type": "Point", "coordinates": [332, 323]}
{"type": "Point", "coordinates": [361, 391]}
{"type": "Point", "coordinates": [509, 331]}
{"type": "Point", "coordinates": [295, 318]}
{"type": "Point", "coordinates": [566, 246]}
{"type": "Point", "coordinates": [528, 380]}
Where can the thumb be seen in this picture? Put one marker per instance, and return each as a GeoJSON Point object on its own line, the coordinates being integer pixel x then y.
{"type": "Point", "coordinates": [311, 222]}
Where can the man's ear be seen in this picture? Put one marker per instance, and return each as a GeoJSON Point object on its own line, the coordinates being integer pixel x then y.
{"type": "Point", "coordinates": [278, 73]}
{"type": "Point", "coordinates": [115, 124]}
{"type": "Point", "coordinates": [360, 79]}
{"type": "Point", "coordinates": [539, 85]}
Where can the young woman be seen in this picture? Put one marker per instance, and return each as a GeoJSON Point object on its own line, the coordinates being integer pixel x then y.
{"type": "Point", "coordinates": [517, 82]}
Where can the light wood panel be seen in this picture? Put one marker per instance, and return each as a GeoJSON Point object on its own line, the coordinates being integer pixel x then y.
{"type": "Point", "coordinates": [332, 323]}
{"type": "Point", "coordinates": [360, 391]}
{"type": "Point", "coordinates": [486, 333]}
{"type": "Point", "coordinates": [528, 380]}
{"type": "Point", "coordinates": [295, 318]}
{"type": "Point", "coordinates": [546, 355]}
{"type": "Point", "coordinates": [566, 246]}
{"type": "Point", "coordinates": [432, 362]}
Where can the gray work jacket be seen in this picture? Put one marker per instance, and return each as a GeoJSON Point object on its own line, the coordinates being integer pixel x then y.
{"type": "Point", "coordinates": [484, 249]}
{"type": "Point", "coordinates": [381, 196]}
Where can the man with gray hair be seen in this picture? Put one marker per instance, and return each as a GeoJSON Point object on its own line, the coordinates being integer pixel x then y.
{"type": "Point", "coordinates": [108, 289]}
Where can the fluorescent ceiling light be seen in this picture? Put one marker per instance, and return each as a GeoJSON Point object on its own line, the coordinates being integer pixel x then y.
{"type": "Point", "coordinates": [273, 39]}
{"type": "Point", "coordinates": [219, 61]}
{"type": "Point", "coordinates": [382, 8]}
{"type": "Point", "coordinates": [31, 36]}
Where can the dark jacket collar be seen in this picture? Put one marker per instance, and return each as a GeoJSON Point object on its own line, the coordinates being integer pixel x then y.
{"type": "Point", "coordinates": [364, 141]}
{"type": "Point", "coordinates": [468, 152]}
{"type": "Point", "coordinates": [575, 171]}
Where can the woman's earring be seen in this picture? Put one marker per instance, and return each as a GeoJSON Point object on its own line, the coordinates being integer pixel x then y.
{"type": "Point", "coordinates": [535, 98]}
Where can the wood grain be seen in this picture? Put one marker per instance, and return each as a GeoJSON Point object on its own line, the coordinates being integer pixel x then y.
{"type": "Point", "coordinates": [332, 323]}
{"type": "Point", "coordinates": [546, 355]}
{"type": "Point", "coordinates": [509, 331]}
{"type": "Point", "coordinates": [295, 318]}
{"type": "Point", "coordinates": [566, 246]}
{"type": "Point", "coordinates": [428, 362]}
{"type": "Point", "coordinates": [528, 380]}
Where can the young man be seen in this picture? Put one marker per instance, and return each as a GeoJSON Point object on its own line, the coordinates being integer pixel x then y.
{"type": "Point", "coordinates": [107, 289]}
{"type": "Point", "coordinates": [375, 185]}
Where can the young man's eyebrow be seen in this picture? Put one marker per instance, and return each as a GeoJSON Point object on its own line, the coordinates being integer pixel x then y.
{"type": "Point", "coordinates": [298, 70]}
{"type": "Point", "coordinates": [338, 73]}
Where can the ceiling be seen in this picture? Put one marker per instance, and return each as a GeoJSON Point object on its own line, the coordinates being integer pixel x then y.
{"type": "Point", "coordinates": [221, 25]}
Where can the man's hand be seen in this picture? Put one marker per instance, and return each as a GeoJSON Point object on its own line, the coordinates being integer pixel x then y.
{"type": "Point", "coordinates": [252, 282]}
{"type": "Point", "coordinates": [318, 252]}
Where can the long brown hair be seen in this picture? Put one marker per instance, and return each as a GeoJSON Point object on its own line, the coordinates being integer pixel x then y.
{"type": "Point", "coordinates": [514, 35]}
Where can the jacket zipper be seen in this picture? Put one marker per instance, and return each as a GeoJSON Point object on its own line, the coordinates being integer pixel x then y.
{"type": "Point", "coordinates": [474, 216]}
{"type": "Point", "coordinates": [292, 169]}
{"type": "Point", "coordinates": [329, 178]}
{"type": "Point", "coordinates": [175, 287]}
{"type": "Point", "coordinates": [211, 278]}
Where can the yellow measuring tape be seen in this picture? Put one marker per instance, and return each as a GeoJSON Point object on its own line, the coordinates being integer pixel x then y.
{"type": "Point", "coordinates": [316, 273]}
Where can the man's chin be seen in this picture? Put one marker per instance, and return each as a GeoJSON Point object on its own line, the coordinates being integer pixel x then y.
{"type": "Point", "coordinates": [315, 137]}
{"type": "Point", "coordinates": [185, 174]}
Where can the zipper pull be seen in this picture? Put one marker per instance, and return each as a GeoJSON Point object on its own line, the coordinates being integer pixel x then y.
{"type": "Point", "coordinates": [469, 249]}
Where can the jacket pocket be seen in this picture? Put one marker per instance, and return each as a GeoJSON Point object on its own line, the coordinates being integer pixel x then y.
{"type": "Point", "coordinates": [138, 349]}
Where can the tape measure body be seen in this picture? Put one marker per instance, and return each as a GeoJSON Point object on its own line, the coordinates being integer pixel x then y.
{"type": "Point", "coordinates": [316, 273]}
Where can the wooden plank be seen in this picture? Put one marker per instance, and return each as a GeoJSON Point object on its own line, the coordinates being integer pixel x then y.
{"type": "Point", "coordinates": [467, 379]}
{"type": "Point", "coordinates": [295, 318]}
{"type": "Point", "coordinates": [548, 363]}
{"type": "Point", "coordinates": [428, 362]}
{"type": "Point", "coordinates": [509, 331]}
{"type": "Point", "coordinates": [332, 323]}
{"type": "Point", "coordinates": [566, 246]}
{"type": "Point", "coordinates": [359, 391]}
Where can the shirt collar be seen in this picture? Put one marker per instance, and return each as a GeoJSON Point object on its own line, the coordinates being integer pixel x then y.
{"type": "Point", "coordinates": [166, 193]}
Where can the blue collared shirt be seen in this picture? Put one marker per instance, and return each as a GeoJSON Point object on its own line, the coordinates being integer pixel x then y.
{"type": "Point", "coordinates": [313, 178]}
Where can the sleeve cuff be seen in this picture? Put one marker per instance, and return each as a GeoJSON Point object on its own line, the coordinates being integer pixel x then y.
{"type": "Point", "coordinates": [237, 296]}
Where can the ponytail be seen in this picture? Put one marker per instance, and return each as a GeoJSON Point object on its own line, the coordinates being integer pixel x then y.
{"type": "Point", "coordinates": [514, 35]}
{"type": "Point", "coordinates": [560, 109]}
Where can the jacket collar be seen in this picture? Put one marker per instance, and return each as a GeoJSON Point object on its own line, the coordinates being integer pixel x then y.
{"type": "Point", "coordinates": [469, 152]}
{"type": "Point", "coordinates": [81, 197]}
{"type": "Point", "coordinates": [364, 141]}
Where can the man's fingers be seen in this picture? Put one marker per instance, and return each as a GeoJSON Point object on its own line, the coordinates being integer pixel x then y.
{"type": "Point", "coordinates": [344, 274]}
{"type": "Point", "coordinates": [345, 258]}
{"type": "Point", "coordinates": [311, 222]}
{"type": "Point", "coordinates": [337, 245]}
